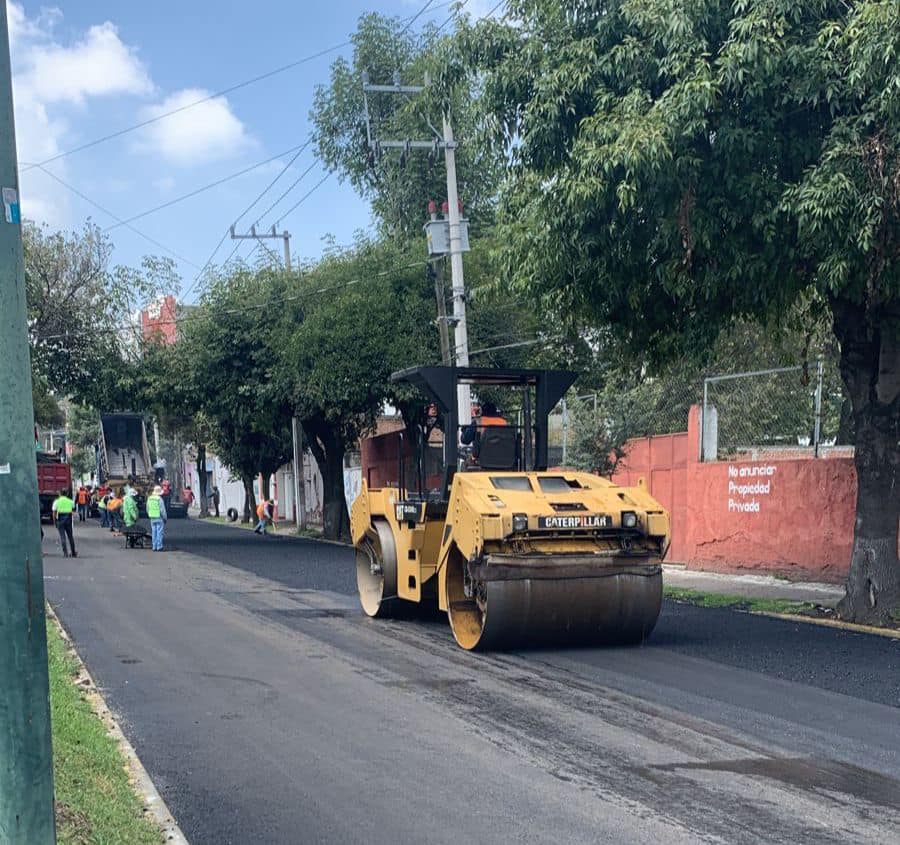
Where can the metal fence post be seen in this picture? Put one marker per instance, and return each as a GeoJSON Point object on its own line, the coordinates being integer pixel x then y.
{"type": "Point", "coordinates": [703, 421]}
{"type": "Point", "coordinates": [817, 429]}
{"type": "Point", "coordinates": [565, 431]}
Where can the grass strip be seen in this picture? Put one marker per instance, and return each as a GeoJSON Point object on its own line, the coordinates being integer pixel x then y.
{"type": "Point", "coordinates": [757, 605]}
{"type": "Point", "coordinates": [95, 801]}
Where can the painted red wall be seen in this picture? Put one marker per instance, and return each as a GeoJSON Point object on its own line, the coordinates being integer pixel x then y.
{"type": "Point", "coordinates": [791, 517]}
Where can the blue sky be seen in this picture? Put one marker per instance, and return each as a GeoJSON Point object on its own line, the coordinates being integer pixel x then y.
{"type": "Point", "coordinates": [85, 68]}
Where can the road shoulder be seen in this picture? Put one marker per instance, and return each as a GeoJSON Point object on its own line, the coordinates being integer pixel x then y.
{"type": "Point", "coordinates": [147, 798]}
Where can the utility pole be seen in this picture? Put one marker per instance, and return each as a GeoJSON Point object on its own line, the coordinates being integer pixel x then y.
{"type": "Point", "coordinates": [296, 433]}
{"type": "Point", "coordinates": [26, 759]}
{"type": "Point", "coordinates": [253, 235]}
{"type": "Point", "coordinates": [446, 142]}
{"type": "Point", "coordinates": [299, 479]}
{"type": "Point", "coordinates": [434, 270]}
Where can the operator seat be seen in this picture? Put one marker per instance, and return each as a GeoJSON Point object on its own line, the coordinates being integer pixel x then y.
{"type": "Point", "coordinates": [497, 447]}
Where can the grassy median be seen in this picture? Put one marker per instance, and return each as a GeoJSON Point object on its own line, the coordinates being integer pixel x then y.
{"type": "Point", "coordinates": [95, 802]}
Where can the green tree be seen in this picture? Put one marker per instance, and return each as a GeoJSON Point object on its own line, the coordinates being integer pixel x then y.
{"type": "Point", "coordinates": [399, 193]}
{"type": "Point", "coordinates": [677, 165]}
{"type": "Point", "coordinates": [78, 306]}
{"type": "Point", "coordinates": [82, 433]}
{"type": "Point", "coordinates": [231, 384]}
{"type": "Point", "coordinates": [359, 315]}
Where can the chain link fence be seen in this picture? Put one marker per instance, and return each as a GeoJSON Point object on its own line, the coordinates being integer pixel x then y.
{"type": "Point", "coordinates": [590, 431]}
{"type": "Point", "coordinates": [787, 411]}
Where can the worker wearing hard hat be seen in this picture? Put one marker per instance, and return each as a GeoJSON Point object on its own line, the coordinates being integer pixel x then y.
{"type": "Point", "coordinates": [156, 510]}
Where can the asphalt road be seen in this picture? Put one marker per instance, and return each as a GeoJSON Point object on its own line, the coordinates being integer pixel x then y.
{"type": "Point", "coordinates": [268, 710]}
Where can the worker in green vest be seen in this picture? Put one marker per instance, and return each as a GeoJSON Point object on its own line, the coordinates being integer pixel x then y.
{"type": "Point", "coordinates": [102, 500]}
{"type": "Point", "coordinates": [129, 508]}
{"type": "Point", "coordinates": [63, 507]}
{"type": "Point", "coordinates": [156, 510]}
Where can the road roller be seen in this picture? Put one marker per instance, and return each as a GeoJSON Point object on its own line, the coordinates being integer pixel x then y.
{"type": "Point", "coordinates": [515, 553]}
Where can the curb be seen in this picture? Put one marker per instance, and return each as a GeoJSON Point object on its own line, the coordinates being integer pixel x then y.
{"type": "Point", "coordinates": [141, 781]}
{"type": "Point", "coordinates": [291, 535]}
{"type": "Point", "coordinates": [890, 633]}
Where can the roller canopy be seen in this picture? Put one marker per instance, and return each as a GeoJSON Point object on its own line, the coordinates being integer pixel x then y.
{"type": "Point", "coordinates": [439, 385]}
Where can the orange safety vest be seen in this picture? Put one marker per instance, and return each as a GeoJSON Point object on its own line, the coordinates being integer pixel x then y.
{"type": "Point", "coordinates": [261, 510]}
{"type": "Point", "coordinates": [486, 421]}
{"type": "Point", "coordinates": [114, 503]}
{"type": "Point", "coordinates": [82, 496]}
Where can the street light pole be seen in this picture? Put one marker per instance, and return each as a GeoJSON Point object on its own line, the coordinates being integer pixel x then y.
{"type": "Point", "coordinates": [26, 760]}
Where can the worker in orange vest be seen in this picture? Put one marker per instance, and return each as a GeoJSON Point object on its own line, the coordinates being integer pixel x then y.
{"type": "Point", "coordinates": [264, 515]}
{"type": "Point", "coordinates": [82, 497]}
{"type": "Point", "coordinates": [485, 416]}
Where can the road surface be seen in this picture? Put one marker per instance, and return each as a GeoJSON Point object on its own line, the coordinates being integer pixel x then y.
{"type": "Point", "coordinates": [268, 710]}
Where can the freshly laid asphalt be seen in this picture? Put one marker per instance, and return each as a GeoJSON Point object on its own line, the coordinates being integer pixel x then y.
{"type": "Point", "coordinates": [268, 710]}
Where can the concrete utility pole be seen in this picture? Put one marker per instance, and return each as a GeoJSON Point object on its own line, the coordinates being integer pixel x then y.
{"type": "Point", "coordinates": [26, 760]}
{"type": "Point", "coordinates": [297, 467]}
{"type": "Point", "coordinates": [299, 479]}
{"type": "Point", "coordinates": [434, 270]}
{"type": "Point", "coordinates": [446, 142]}
{"type": "Point", "coordinates": [253, 235]}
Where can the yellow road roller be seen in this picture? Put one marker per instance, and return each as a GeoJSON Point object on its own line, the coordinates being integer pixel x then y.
{"type": "Point", "coordinates": [514, 553]}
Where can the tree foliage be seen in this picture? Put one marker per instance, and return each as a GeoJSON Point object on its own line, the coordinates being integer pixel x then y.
{"type": "Point", "coordinates": [78, 308]}
{"type": "Point", "coordinates": [399, 194]}
{"type": "Point", "coordinates": [677, 165]}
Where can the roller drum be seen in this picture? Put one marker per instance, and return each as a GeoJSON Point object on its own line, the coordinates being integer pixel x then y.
{"type": "Point", "coordinates": [611, 608]}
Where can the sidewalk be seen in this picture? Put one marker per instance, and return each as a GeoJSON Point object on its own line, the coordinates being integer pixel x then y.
{"type": "Point", "coordinates": [752, 586]}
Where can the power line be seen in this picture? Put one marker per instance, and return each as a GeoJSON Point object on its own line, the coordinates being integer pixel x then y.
{"type": "Point", "coordinates": [304, 197]}
{"type": "Point", "coordinates": [120, 221]}
{"type": "Point", "coordinates": [415, 17]}
{"type": "Point", "coordinates": [225, 235]}
{"type": "Point", "coordinates": [223, 92]}
{"type": "Point", "coordinates": [169, 203]}
{"type": "Point", "coordinates": [287, 191]}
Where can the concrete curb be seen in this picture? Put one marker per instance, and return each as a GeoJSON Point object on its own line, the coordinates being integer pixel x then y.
{"type": "Point", "coordinates": [891, 633]}
{"type": "Point", "coordinates": [140, 779]}
{"type": "Point", "coordinates": [290, 536]}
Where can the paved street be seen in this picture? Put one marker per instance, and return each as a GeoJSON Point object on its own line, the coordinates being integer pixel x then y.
{"type": "Point", "coordinates": [268, 710]}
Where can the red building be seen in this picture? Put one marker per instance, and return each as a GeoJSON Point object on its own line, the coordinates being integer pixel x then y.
{"type": "Point", "coordinates": [158, 320]}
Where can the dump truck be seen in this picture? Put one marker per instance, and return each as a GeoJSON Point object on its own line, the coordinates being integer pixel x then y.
{"type": "Point", "coordinates": [124, 453]}
{"type": "Point", "coordinates": [515, 553]}
{"type": "Point", "coordinates": [53, 475]}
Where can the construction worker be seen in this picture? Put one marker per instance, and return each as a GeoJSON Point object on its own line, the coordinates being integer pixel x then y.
{"type": "Point", "coordinates": [103, 506]}
{"type": "Point", "coordinates": [81, 499]}
{"type": "Point", "coordinates": [156, 510]}
{"type": "Point", "coordinates": [114, 508]}
{"type": "Point", "coordinates": [63, 507]}
{"type": "Point", "coordinates": [485, 416]}
{"type": "Point", "coordinates": [264, 515]}
{"type": "Point", "coordinates": [129, 508]}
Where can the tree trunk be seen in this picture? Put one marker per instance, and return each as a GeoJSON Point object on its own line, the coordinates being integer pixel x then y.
{"type": "Point", "coordinates": [266, 484]}
{"type": "Point", "coordinates": [201, 480]}
{"type": "Point", "coordinates": [328, 449]}
{"type": "Point", "coordinates": [870, 369]}
{"type": "Point", "coordinates": [249, 499]}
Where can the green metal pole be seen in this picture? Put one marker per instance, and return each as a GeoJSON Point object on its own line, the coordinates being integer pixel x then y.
{"type": "Point", "coordinates": [26, 760]}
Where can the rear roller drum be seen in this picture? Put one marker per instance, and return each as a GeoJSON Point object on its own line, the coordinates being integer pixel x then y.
{"type": "Point", "coordinates": [376, 571]}
{"type": "Point", "coordinates": [612, 608]}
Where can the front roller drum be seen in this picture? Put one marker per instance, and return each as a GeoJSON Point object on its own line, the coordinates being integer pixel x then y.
{"type": "Point", "coordinates": [607, 608]}
{"type": "Point", "coordinates": [376, 570]}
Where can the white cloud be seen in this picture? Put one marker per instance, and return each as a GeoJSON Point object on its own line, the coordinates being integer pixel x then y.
{"type": "Point", "coordinates": [97, 65]}
{"type": "Point", "coordinates": [204, 133]}
{"type": "Point", "coordinates": [49, 74]}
